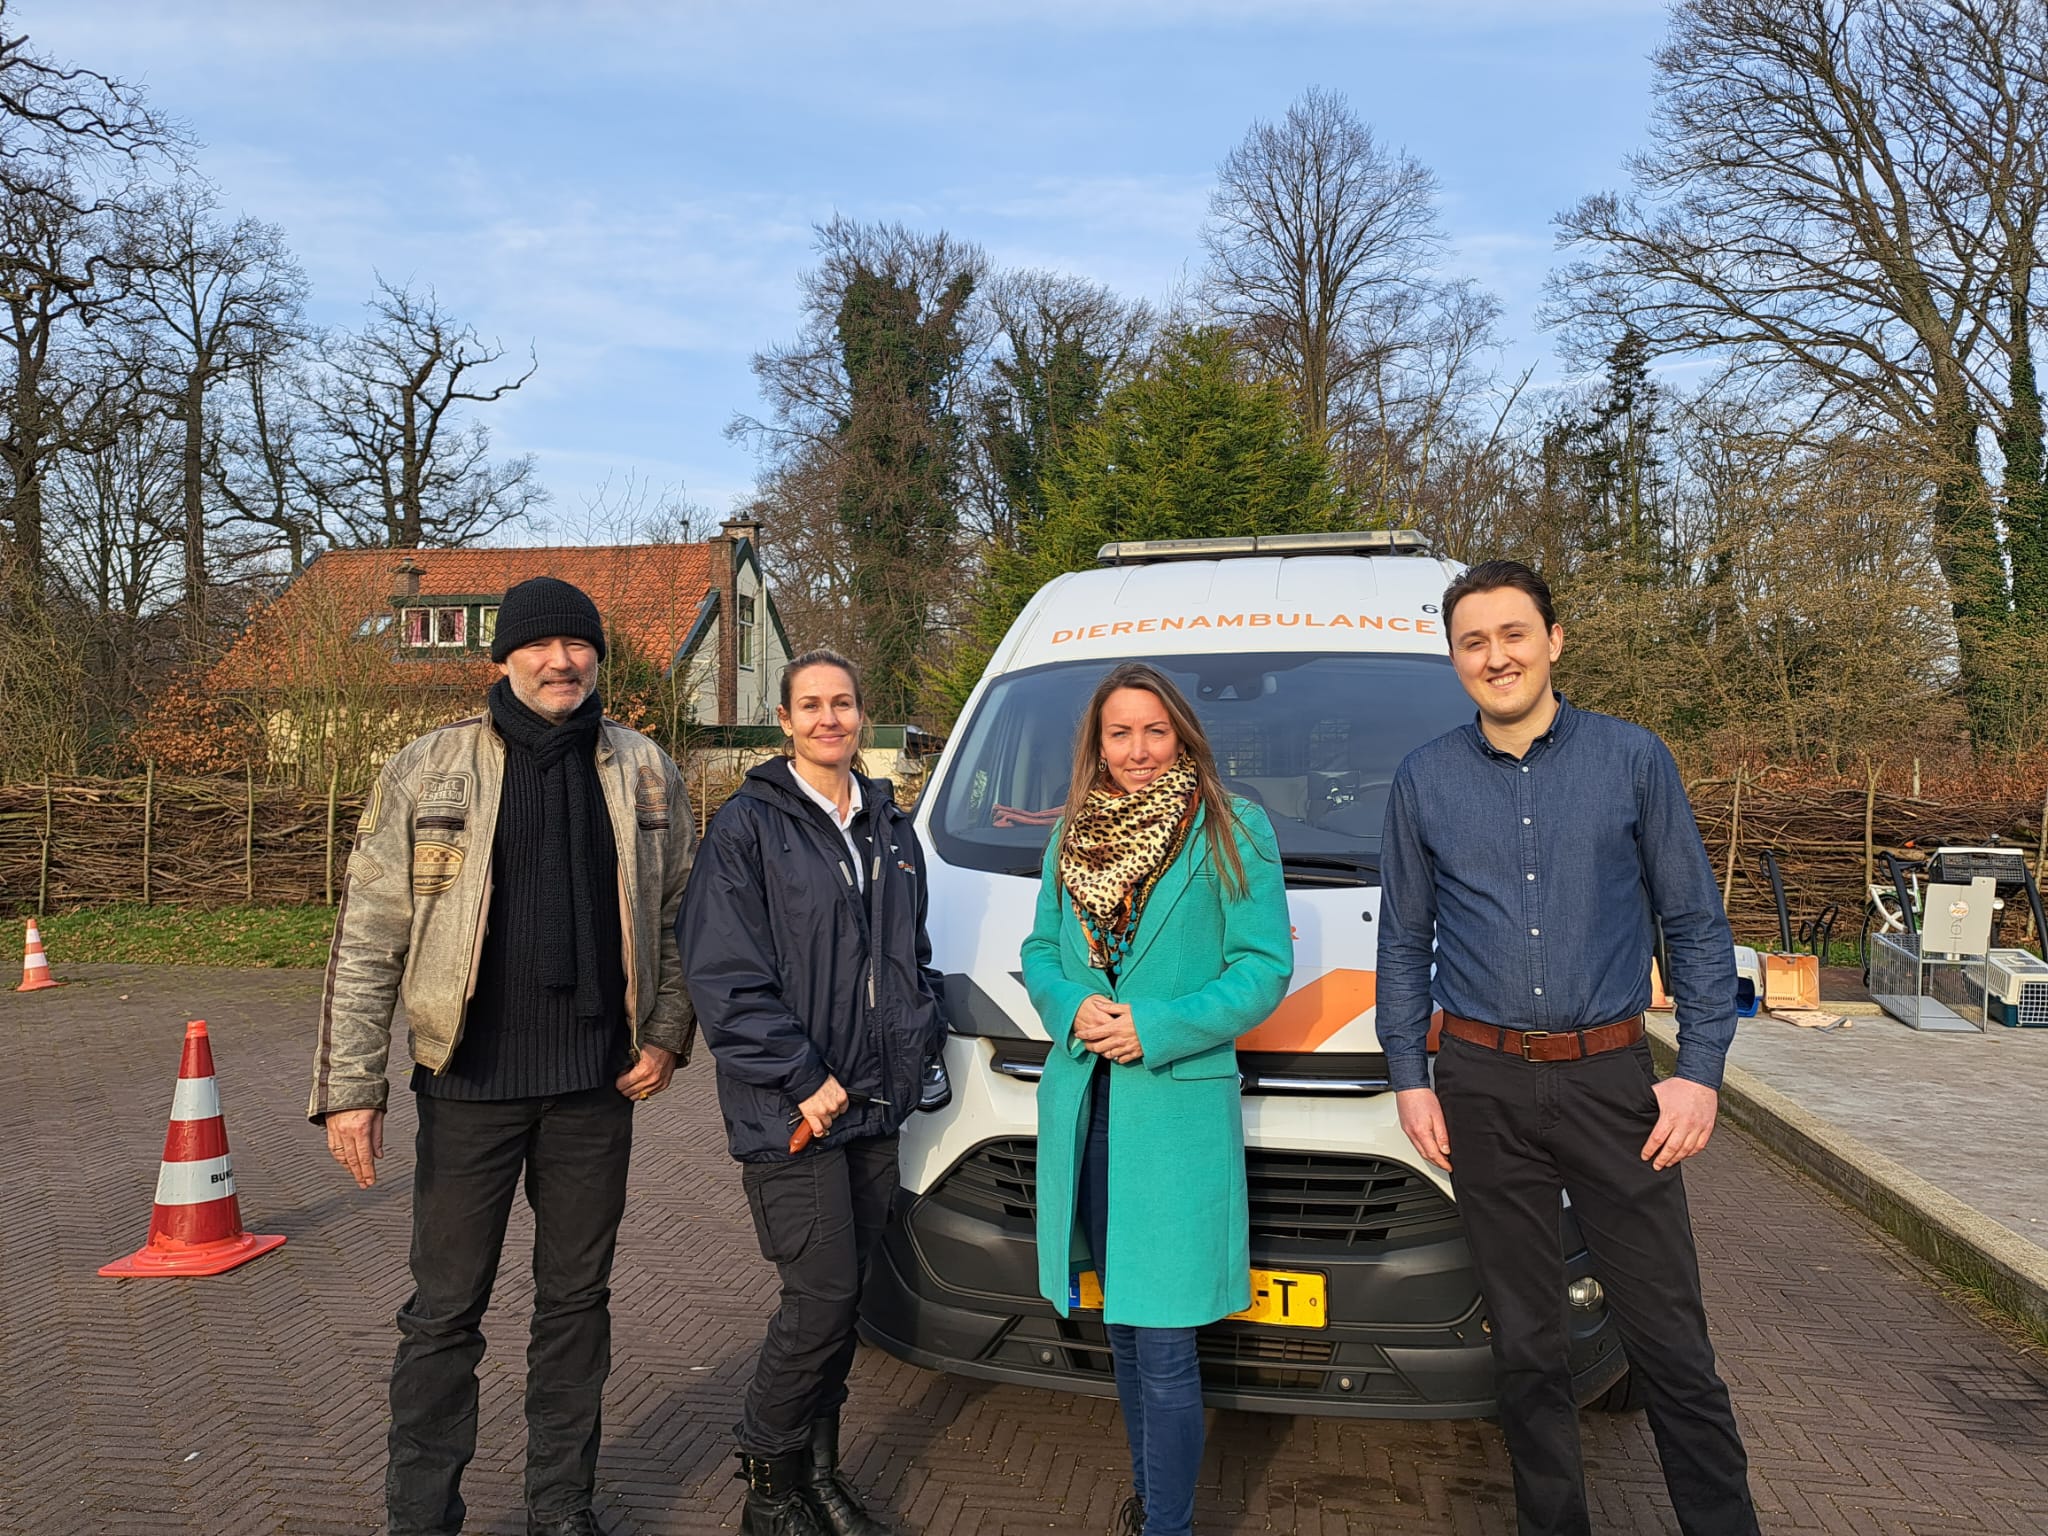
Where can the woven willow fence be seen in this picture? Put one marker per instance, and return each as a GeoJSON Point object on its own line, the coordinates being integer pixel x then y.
{"type": "Point", "coordinates": [193, 842]}
{"type": "Point", "coordinates": [222, 841]}
{"type": "Point", "coordinates": [203, 842]}
{"type": "Point", "coordinates": [1827, 841]}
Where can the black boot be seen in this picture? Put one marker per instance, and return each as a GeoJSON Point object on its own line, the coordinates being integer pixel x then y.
{"type": "Point", "coordinates": [774, 1504]}
{"type": "Point", "coordinates": [1130, 1518]}
{"type": "Point", "coordinates": [831, 1500]}
{"type": "Point", "coordinates": [580, 1523]}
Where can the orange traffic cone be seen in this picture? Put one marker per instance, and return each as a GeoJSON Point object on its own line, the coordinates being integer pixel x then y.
{"type": "Point", "coordinates": [196, 1227]}
{"type": "Point", "coordinates": [35, 965]}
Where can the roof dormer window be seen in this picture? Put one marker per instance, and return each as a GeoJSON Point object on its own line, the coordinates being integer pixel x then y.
{"type": "Point", "coordinates": [437, 628]}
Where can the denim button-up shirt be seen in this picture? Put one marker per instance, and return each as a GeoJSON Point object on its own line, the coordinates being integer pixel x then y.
{"type": "Point", "coordinates": [1537, 877]}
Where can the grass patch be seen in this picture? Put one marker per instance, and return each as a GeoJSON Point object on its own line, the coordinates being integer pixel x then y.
{"type": "Point", "coordinates": [132, 934]}
{"type": "Point", "coordinates": [1841, 951]}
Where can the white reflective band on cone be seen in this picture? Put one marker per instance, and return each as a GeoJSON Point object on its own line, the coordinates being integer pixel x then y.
{"type": "Point", "coordinates": [197, 1098]}
{"type": "Point", "coordinates": [211, 1178]}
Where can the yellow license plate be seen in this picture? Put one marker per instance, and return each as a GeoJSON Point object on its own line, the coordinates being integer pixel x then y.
{"type": "Point", "coordinates": [1281, 1298]}
{"type": "Point", "coordinates": [1287, 1298]}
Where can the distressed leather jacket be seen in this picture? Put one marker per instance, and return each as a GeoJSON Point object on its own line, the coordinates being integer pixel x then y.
{"type": "Point", "coordinates": [413, 907]}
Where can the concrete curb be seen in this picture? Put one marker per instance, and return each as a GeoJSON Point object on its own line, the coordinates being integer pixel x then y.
{"type": "Point", "coordinates": [1961, 1241]}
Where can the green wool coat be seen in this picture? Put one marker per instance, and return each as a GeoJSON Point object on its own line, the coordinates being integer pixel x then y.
{"type": "Point", "coordinates": [1202, 971]}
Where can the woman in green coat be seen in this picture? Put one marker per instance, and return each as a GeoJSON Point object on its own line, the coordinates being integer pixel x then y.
{"type": "Point", "coordinates": [1161, 936]}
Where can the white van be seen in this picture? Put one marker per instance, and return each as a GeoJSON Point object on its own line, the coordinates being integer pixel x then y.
{"type": "Point", "coordinates": [1317, 662]}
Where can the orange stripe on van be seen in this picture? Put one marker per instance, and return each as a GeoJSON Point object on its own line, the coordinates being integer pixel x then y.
{"type": "Point", "coordinates": [1310, 1015]}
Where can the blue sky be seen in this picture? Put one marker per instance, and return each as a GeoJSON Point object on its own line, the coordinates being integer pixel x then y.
{"type": "Point", "coordinates": [631, 188]}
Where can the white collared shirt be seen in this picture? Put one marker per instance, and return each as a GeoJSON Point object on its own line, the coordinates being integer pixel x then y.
{"type": "Point", "coordinates": [843, 823]}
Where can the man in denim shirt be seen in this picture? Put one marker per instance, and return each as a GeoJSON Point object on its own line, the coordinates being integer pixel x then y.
{"type": "Point", "coordinates": [1535, 846]}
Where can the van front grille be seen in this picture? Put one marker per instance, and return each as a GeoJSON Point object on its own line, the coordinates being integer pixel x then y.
{"type": "Point", "coordinates": [1318, 1199]}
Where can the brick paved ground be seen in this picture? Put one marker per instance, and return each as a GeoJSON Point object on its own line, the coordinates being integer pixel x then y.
{"type": "Point", "coordinates": [1879, 1080]}
{"type": "Point", "coordinates": [253, 1403]}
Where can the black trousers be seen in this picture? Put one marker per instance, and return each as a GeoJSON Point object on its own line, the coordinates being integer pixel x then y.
{"type": "Point", "coordinates": [819, 1218]}
{"type": "Point", "coordinates": [573, 1151]}
{"type": "Point", "coordinates": [1521, 1132]}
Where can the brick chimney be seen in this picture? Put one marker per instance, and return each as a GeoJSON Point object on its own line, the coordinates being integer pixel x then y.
{"type": "Point", "coordinates": [409, 574]}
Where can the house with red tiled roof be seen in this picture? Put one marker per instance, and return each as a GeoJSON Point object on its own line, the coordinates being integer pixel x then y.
{"type": "Point", "coordinates": [422, 621]}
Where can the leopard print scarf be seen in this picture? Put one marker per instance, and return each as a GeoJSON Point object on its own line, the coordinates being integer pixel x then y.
{"type": "Point", "coordinates": [1116, 850]}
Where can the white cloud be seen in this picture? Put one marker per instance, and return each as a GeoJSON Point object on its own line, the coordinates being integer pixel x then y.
{"type": "Point", "coordinates": [631, 184]}
{"type": "Point", "coordinates": [326, 28]}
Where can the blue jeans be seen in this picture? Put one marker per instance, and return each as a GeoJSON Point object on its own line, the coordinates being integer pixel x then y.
{"type": "Point", "coordinates": [1158, 1380]}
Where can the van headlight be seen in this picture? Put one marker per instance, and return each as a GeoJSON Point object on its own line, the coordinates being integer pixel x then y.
{"type": "Point", "coordinates": [1585, 1293]}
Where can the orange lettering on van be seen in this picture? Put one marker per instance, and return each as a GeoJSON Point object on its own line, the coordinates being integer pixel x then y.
{"type": "Point", "coordinates": [1261, 620]}
{"type": "Point", "coordinates": [1342, 621]}
{"type": "Point", "coordinates": [1146, 626]}
{"type": "Point", "coordinates": [1287, 620]}
{"type": "Point", "coordinates": [1166, 624]}
{"type": "Point", "coordinates": [1062, 636]}
{"type": "Point", "coordinates": [1122, 627]}
{"type": "Point", "coordinates": [1097, 631]}
{"type": "Point", "coordinates": [1397, 622]}
{"type": "Point", "coordinates": [1369, 620]}
{"type": "Point", "coordinates": [1230, 621]}
{"type": "Point", "coordinates": [1425, 626]}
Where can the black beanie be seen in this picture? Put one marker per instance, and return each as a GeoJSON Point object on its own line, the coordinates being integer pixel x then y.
{"type": "Point", "coordinates": [540, 609]}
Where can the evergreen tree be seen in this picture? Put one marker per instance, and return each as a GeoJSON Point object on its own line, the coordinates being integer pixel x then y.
{"type": "Point", "coordinates": [1604, 475]}
{"type": "Point", "coordinates": [1190, 449]}
{"type": "Point", "coordinates": [1037, 406]}
{"type": "Point", "coordinates": [2026, 491]}
{"type": "Point", "coordinates": [1063, 343]}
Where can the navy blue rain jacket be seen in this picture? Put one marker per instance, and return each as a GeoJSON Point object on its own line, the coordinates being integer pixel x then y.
{"type": "Point", "coordinates": [796, 973]}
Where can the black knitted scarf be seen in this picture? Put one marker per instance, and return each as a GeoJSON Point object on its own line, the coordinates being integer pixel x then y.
{"type": "Point", "coordinates": [565, 755]}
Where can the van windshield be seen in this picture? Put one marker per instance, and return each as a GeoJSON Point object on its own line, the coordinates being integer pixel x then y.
{"type": "Point", "coordinates": [1314, 738]}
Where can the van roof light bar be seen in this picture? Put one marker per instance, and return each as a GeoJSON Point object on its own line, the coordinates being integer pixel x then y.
{"type": "Point", "coordinates": [1376, 541]}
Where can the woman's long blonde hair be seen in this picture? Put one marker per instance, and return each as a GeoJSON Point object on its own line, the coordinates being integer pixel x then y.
{"type": "Point", "coordinates": [1220, 818]}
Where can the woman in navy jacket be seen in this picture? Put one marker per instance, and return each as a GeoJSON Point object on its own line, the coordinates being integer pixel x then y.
{"type": "Point", "coordinates": [803, 940]}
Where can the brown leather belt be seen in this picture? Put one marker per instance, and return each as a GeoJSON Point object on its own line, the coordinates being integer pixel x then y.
{"type": "Point", "coordinates": [1547, 1045]}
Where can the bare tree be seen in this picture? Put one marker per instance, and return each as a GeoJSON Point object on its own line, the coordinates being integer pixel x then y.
{"type": "Point", "coordinates": [53, 115]}
{"type": "Point", "coordinates": [1061, 344]}
{"type": "Point", "coordinates": [114, 556]}
{"type": "Point", "coordinates": [1846, 193]}
{"type": "Point", "coordinates": [1315, 228]}
{"type": "Point", "coordinates": [55, 280]}
{"type": "Point", "coordinates": [70, 141]}
{"type": "Point", "coordinates": [406, 469]}
{"type": "Point", "coordinates": [1473, 496]}
{"type": "Point", "coordinates": [805, 382]}
{"type": "Point", "coordinates": [1426, 361]}
{"type": "Point", "coordinates": [630, 509]}
{"type": "Point", "coordinates": [872, 400]}
{"type": "Point", "coordinates": [808, 562]}
{"type": "Point", "coordinates": [269, 468]}
{"type": "Point", "coordinates": [213, 300]}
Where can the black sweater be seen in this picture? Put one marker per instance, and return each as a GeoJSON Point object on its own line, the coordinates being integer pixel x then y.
{"type": "Point", "coordinates": [520, 1038]}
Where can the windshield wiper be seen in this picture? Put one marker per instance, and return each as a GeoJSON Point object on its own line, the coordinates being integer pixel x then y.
{"type": "Point", "coordinates": [1361, 863]}
{"type": "Point", "coordinates": [1330, 869]}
